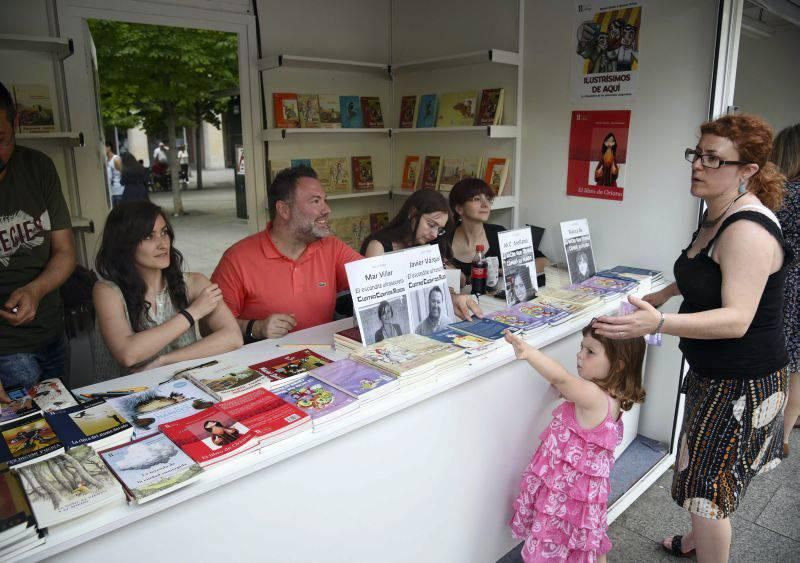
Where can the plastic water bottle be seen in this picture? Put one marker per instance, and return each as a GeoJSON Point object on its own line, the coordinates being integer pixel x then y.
{"type": "Point", "coordinates": [479, 271]}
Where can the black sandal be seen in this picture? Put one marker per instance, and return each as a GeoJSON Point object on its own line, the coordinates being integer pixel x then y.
{"type": "Point", "coordinates": [675, 548]}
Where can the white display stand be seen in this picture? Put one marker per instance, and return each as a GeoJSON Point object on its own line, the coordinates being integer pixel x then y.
{"type": "Point", "coordinates": [425, 474]}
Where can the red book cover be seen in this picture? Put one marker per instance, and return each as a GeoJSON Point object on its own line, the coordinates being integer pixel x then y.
{"type": "Point", "coordinates": [352, 333]}
{"type": "Point", "coordinates": [291, 364]}
{"type": "Point", "coordinates": [598, 150]}
{"type": "Point", "coordinates": [408, 109]}
{"type": "Point", "coordinates": [430, 172]}
{"type": "Point", "coordinates": [362, 173]}
{"type": "Point", "coordinates": [286, 110]}
{"type": "Point", "coordinates": [377, 221]}
{"type": "Point", "coordinates": [489, 105]}
{"type": "Point", "coordinates": [371, 109]}
{"type": "Point", "coordinates": [233, 426]}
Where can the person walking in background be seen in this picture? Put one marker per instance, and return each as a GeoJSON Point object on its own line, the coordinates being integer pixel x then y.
{"type": "Point", "coordinates": [786, 155]}
{"type": "Point", "coordinates": [113, 174]}
{"type": "Point", "coordinates": [134, 179]}
{"type": "Point", "coordinates": [183, 161]}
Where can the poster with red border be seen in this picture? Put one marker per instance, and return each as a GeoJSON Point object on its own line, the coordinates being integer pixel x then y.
{"type": "Point", "coordinates": [598, 154]}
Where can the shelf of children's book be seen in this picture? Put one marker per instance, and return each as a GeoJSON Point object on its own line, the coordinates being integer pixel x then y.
{"type": "Point", "coordinates": [365, 193]}
{"type": "Point", "coordinates": [58, 46]}
{"type": "Point", "coordinates": [272, 62]}
{"type": "Point", "coordinates": [281, 134]}
{"type": "Point", "coordinates": [69, 138]}
{"type": "Point", "coordinates": [502, 202]}
{"type": "Point", "coordinates": [497, 56]}
{"type": "Point", "coordinates": [493, 131]}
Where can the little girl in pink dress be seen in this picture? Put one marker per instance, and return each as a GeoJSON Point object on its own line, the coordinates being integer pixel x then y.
{"type": "Point", "coordinates": [561, 508]}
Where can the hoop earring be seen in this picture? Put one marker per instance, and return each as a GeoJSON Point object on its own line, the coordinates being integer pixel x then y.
{"type": "Point", "coordinates": [742, 187]}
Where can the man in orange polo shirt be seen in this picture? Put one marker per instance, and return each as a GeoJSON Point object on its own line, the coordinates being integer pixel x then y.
{"type": "Point", "coordinates": [286, 278]}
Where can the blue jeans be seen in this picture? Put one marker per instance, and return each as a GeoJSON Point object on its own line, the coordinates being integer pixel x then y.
{"type": "Point", "coordinates": [28, 368]}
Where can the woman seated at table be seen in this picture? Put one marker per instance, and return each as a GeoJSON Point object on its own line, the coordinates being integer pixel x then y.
{"type": "Point", "coordinates": [471, 203]}
{"type": "Point", "coordinates": [146, 306]}
{"type": "Point", "coordinates": [424, 218]}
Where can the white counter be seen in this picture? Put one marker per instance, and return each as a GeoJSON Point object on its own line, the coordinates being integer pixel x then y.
{"type": "Point", "coordinates": [425, 474]}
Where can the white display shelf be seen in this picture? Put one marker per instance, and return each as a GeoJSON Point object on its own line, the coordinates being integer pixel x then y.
{"type": "Point", "coordinates": [502, 202]}
{"type": "Point", "coordinates": [278, 134]}
{"type": "Point", "coordinates": [58, 46]}
{"type": "Point", "coordinates": [493, 131]}
{"type": "Point", "coordinates": [348, 195]}
{"type": "Point", "coordinates": [273, 62]}
{"type": "Point", "coordinates": [69, 138]}
{"type": "Point", "coordinates": [473, 57]}
{"type": "Point", "coordinates": [96, 524]}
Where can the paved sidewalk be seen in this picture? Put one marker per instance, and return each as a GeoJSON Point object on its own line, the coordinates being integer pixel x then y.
{"type": "Point", "coordinates": [211, 225]}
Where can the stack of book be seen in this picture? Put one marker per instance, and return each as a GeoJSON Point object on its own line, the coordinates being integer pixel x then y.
{"type": "Point", "coordinates": [18, 531]}
{"type": "Point", "coordinates": [474, 346]}
{"type": "Point", "coordinates": [348, 340]}
{"type": "Point", "coordinates": [290, 365]}
{"type": "Point", "coordinates": [95, 423]}
{"type": "Point", "coordinates": [556, 275]}
{"type": "Point", "coordinates": [412, 358]}
{"type": "Point", "coordinates": [321, 401]}
{"type": "Point", "coordinates": [639, 274]}
{"type": "Point", "coordinates": [27, 440]}
{"type": "Point", "coordinates": [225, 380]}
{"type": "Point", "coordinates": [357, 380]}
{"type": "Point", "coordinates": [69, 485]}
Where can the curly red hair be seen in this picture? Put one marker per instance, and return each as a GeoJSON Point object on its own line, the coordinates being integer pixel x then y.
{"type": "Point", "coordinates": [752, 137]}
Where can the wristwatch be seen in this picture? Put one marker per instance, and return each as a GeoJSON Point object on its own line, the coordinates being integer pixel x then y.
{"type": "Point", "coordinates": [248, 332]}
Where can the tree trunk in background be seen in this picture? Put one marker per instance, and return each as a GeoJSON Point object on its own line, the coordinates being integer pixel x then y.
{"type": "Point", "coordinates": [177, 203]}
{"type": "Point", "coordinates": [198, 145]}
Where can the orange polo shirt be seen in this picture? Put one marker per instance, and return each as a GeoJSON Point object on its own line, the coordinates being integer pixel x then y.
{"type": "Point", "coordinates": [257, 280]}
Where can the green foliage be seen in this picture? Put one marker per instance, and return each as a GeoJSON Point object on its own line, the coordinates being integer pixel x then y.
{"type": "Point", "coordinates": [148, 73]}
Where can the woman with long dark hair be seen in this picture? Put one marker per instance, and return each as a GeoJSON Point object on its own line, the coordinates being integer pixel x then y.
{"type": "Point", "coordinates": [146, 305]}
{"type": "Point", "coordinates": [424, 218]}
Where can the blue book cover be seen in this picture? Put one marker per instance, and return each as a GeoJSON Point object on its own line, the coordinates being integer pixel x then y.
{"type": "Point", "coordinates": [458, 338]}
{"type": "Point", "coordinates": [352, 377]}
{"type": "Point", "coordinates": [301, 162]}
{"type": "Point", "coordinates": [350, 107]}
{"type": "Point", "coordinates": [427, 110]}
{"type": "Point", "coordinates": [485, 328]}
{"type": "Point", "coordinates": [544, 313]}
{"type": "Point", "coordinates": [86, 423]}
{"type": "Point", "coordinates": [516, 319]}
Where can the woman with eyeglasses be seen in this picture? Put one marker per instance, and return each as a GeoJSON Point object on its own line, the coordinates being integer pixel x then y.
{"type": "Point", "coordinates": [471, 203]}
{"type": "Point", "coordinates": [146, 306]}
{"type": "Point", "coordinates": [424, 218]}
{"type": "Point", "coordinates": [730, 324]}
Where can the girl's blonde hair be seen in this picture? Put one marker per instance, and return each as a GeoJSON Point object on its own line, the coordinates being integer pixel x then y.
{"type": "Point", "coordinates": [626, 357]}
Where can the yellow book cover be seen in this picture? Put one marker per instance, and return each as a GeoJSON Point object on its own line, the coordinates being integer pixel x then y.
{"type": "Point", "coordinates": [338, 174]}
{"type": "Point", "coordinates": [457, 109]}
{"type": "Point", "coordinates": [451, 173]}
{"type": "Point", "coordinates": [351, 230]}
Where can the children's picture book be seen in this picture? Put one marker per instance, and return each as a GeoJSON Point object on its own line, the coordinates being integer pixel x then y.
{"type": "Point", "coordinates": [611, 283]}
{"type": "Point", "coordinates": [490, 107]}
{"type": "Point", "coordinates": [460, 339]}
{"type": "Point", "coordinates": [171, 400]}
{"type": "Point", "coordinates": [408, 109]}
{"type": "Point", "coordinates": [542, 311]}
{"type": "Point", "coordinates": [286, 110]}
{"type": "Point", "coordinates": [584, 297]}
{"type": "Point", "coordinates": [233, 426]}
{"type": "Point", "coordinates": [150, 467]}
{"type": "Point", "coordinates": [351, 230]}
{"type": "Point", "coordinates": [485, 328]}
{"type": "Point", "coordinates": [519, 267]}
{"type": "Point", "coordinates": [405, 355]}
{"type": "Point", "coordinates": [350, 108]}
{"type": "Point", "coordinates": [431, 171]}
{"type": "Point", "coordinates": [516, 319]}
{"type": "Point", "coordinates": [290, 365]}
{"type": "Point", "coordinates": [568, 307]}
{"type": "Point", "coordinates": [69, 486]}
{"type": "Point", "coordinates": [34, 108]}
{"type": "Point", "coordinates": [330, 113]}
{"type": "Point", "coordinates": [362, 173]}
{"type": "Point", "coordinates": [578, 248]}
{"type": "Point", "coordinates": [410, 173]}
{"type": "Point", "coordinates": [471, 167]}
{"type": "Point", "coordinates": [356, 379]}
{"type": "Point", "coordinates": [321, 401]}
{"type": "Point", "coordinates": [457, 109]}
{"type": "Point", "coordinates": [95, 423]}
{"type": "Point", "coordinates": [51, 394]}
{"type": "Point", "coordinates": [371, 109]}
{"type": "Point", "coordinates": [308, 107]}
{"type": "Point", "coordinates": [276, 166]}
{"type": "Point", "coordinates": [427, 111]}
{"type": "Point", "coordinates": [333, 174]}
{"type": "Point", "coordinates": [496, 174]}
{"type": "Point", "coordinates": [451, 173]}
{"type": "Point", "coordinates": [28, 440]}
{"type": "Point", "coordinates": [378, 220]}
{"type": "Point", "coordinates": [21, 405]}
{"type": "Point", "coordinates": [224, 380]}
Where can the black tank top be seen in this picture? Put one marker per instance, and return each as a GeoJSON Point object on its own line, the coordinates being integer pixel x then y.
{"type": "Point", "coordinates": [762, 349]}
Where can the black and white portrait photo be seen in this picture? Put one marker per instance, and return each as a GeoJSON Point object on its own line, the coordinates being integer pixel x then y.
{"type": "Point", "coordinates": [580, 261]}
{"type": "Point", "coordinates": [431, 309]}
{"type": "Point", "coordinates": [386, 319]}
{"type": "Point", "coordinates": [519, 284]}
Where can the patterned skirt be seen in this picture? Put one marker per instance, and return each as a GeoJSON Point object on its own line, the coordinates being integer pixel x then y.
{"type": "Point", "coordinates": [732, 431]}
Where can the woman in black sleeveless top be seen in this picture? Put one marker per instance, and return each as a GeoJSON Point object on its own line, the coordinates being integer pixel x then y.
{"type": "Point", "coordinates": [730, 325]}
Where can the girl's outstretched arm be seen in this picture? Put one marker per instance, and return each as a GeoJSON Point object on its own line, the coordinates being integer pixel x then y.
{"type": "Point", "coordinates": [585, 394]}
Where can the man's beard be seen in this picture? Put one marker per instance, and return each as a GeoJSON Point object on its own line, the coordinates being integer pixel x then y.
{"type": "Point", "coordinates": [311, 231]}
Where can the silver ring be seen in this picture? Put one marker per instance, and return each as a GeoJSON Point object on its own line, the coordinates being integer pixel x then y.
{"type": "Point", "coordinates": [622, 333]}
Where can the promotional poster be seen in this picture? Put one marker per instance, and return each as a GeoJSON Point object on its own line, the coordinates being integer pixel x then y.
{"type": "Point", "coordinates": [598, 153]}
{"type": "Point", "coordinates": [606, 59]}
{"type": "Point", "coordinates": [578, 248]}
{"type": "Point", "coordinates": [519, 267]}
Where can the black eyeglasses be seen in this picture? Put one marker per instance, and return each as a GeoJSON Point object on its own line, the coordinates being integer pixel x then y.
{"type": "Point", "coordinates": [709, 160]}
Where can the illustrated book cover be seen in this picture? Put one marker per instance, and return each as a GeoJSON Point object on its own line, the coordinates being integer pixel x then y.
{"type": "Point", "coordinates": [351, 230]}
{"type": "Point", "coordinates": [401, 355]}
{"type": "Point", "coordinates": [371, 110]}
{"type": "Point", "coordinates": [330, 113]}
{"type": "Point", "coordinates": [355, 378]}
{"type": "Point", "coordinates": [223, 380]}
{"type": "Point", "coordinates": [408, 109]}
{"type": "Point", "coordinates": [34, 108]}
{"type": "Point", "coordinates": [410, 173]}
{"type": "Point", "coordinates": [362, 173]}
{"type": "Point", "coordinates": [431, 171]}
{"type": "Point", "coordinates": [95, 423]}
{"type": "Point", "coordinates": [427, 111]}
{"type": "Point", "coordinates": [457, 109]}
{"type": "Point", "coordinates": [69, 485]}
{"type": "Point", "coordinates": [490, 107]}
{"type": "Point", "coordinates": [286, 110]}
{"type": "Point", "coordinates": [290, 365]}
{"type": "Point", "coordinates": [308, 108]}
{"type": "Point", "coordinates": [28, 440]}
{"type": "Point", "coordinates": [350, 108]}
{"type": "Point", "coordinates": [321, 401]}
{"type": "Point", "coordinates": [21, 405]}
{"type": "Point", "coordinates": [378, 220]}
{"type": "Point", "coordinates": [542, 312]}
{"type": "Point", "coordinates": [51, 394]}
{"type": "Point", "coordinates": [496, 174]}
{"type": "Point", "coordinates": [485, 328]}
{"type": "Point", "coordinates": [333, 174]}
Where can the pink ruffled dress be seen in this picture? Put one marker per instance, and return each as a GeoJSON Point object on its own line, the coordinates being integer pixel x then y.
{"type": "Point", "coordinates": [561, 508]}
